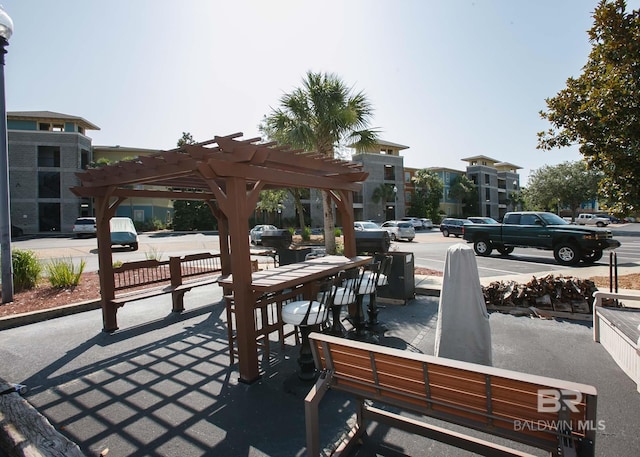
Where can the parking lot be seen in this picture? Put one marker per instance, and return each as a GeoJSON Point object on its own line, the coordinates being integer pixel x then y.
{"type": "Point", "coordinates": [429, 248]}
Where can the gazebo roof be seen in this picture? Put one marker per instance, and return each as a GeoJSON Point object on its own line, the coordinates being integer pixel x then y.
{"type": "Point", "coordinates": [190, 169]}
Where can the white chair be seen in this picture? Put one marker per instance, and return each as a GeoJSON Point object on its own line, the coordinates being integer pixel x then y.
{"type": "Point", "coordinates": [309, 315]}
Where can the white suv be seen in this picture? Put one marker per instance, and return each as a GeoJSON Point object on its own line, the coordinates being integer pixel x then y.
{"type": "Point", "coordinates": [417, 223]}
{"type": "Point", "coordinates": [85, 226]}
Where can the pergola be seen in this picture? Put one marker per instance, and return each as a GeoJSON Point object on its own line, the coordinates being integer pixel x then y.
{"type": "Point", "coordinates": [228, 174]}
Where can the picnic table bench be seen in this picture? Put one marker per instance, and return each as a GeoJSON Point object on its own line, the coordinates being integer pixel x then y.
{"type": "Point", "coordinates": [176, 276]}
{"type": "Point", "coordinates": [545, 413]}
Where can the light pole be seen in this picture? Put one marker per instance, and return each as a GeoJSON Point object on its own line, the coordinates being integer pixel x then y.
{"type": "Point", "coordinates": [6, 29]}
{"type": "Point", "coordinates": [395, 206]}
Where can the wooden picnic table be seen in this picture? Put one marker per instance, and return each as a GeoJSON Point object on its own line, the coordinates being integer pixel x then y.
{"type": "Point", "coordinates": [296, 274]}
{"type": "Point", "coordinates": [270, 288]}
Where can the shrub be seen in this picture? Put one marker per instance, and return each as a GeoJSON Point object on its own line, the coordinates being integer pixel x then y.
{"type": "Point", "coordinates": [63, 273]}
{"type": "Point", "coordinates": [153, 254]}
{"type": "Point", "coordinates": [27, 269]}
{"type": "Point", "coordinates": [337, 232]}
{"type": "Point", "coordinates": [306, 233]}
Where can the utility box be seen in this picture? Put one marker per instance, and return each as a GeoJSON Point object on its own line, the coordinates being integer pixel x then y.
{"type": "Point", "coordinates": [402, 280]}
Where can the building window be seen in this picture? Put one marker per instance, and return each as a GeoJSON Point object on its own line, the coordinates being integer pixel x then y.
{"type": "Point", "coordinates": [48, 184]}
{"type": "Point", "coordinates": [49, 217]}
{"type": "Point", "coordinates": [487, 179]}
{"type": "Point", "coordinates": [389, 173]}
{"type": "Point", "coordinates": [407, 176]}
{"type": "Point", "coordinates": [487, 195]}
{"type": "Point", "coordinates": [48, 156]}
{"type": "Point", "coordinates": [84, 159]}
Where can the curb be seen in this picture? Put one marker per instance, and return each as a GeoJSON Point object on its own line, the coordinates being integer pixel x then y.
{"type": "Point", "coordinates": [17, 320]}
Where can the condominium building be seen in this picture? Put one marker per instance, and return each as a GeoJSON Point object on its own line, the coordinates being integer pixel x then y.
{"type": "Point", "coordinates": [46, 150]}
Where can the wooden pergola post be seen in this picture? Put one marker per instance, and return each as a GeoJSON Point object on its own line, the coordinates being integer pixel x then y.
{"type": "Point", "coordinates": [104, 214]}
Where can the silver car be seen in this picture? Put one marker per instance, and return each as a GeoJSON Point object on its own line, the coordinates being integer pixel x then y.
{"type": "Point", "coordinates": [255, 234]}
{"type": "Point", "coordinates": [365, 226]}
{"type": "Point", "coordinates": [399, 230]}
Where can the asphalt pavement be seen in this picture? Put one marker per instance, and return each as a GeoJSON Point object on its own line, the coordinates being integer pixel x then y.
{"type": "Point", "coordinates": [162, 384]}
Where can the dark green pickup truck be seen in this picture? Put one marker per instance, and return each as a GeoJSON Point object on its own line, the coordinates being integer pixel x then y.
{"type": "Point", "coordinates": [570, 243]}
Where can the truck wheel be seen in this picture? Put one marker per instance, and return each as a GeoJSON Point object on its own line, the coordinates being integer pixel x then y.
{"type": "Point", "coordinates": [505, 250]}
{"type": "Point", "coordinates": [482, 247]}
{"type": "Point", "coordinates": [445, 232]}
{"type": "Point", "coordinates": [600, 224]}
{"type": "Point", "coordinates": [592, 256]}
{"type": "Point", "coordinates": [567, 254]}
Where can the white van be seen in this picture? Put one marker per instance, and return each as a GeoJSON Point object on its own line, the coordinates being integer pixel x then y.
{"type": "Point", "coordinates": [123, 232]}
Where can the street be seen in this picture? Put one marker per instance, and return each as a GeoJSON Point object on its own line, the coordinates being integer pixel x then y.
{"type": "Point", "coordinates": [429, 249]}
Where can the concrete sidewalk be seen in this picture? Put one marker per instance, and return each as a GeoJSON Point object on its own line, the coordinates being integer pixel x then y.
{"type": "Point", "coordinates": [162, 385]}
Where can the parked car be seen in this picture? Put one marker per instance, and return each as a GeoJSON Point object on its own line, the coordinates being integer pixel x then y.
{"type": "Point", "coordinates": [255, 234]}
{"type": "Point", "coordinates": [84, 226]}
{"type": "Point", "coordinates": [427, 224]}
{"type": "Point", "coordinates": [612, 219]}
{"type": "Point", "coordinates": [452, 226]}
{"type": "Point", "coordinates": [592, 219]}
{"type": "Point", "coordinates": [482, 220]}
{"type": "Point", "coordinates": [399, 230]}
{"type": "Point", "coordinates": [16, 231]}
{"type": "Point", "coordinates": [123, 232]}
{"type": "Point", "coordinates": [416, 222]}
{"type": "Point", "coordinates": [365, 225]}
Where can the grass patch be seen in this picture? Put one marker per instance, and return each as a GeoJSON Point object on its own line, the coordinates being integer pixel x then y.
{"type": "Point", "coordinates": [63, 273]}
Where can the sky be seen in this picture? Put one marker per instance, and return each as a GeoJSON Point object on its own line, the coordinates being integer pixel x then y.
{"type": "Point", "coordinates": [450, 79]}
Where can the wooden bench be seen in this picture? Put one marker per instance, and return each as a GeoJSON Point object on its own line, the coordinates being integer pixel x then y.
{"type": "Point", "coordinates": [519, 407]}
{"type": "Point", "coordinates": [176, 276]}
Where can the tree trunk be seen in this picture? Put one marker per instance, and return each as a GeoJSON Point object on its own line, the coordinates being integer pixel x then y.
{"type": "Point", "coordinates": [298, 204]}
{"type": "Point", "coordinates": [329, 224]}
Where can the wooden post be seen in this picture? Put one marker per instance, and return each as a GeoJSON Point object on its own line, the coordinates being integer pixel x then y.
{"type": "Point", "coordinates": [243, 295]}
{"type": "Point", "coordinates": [105, 263]}
{"type": "Point", "coordinates": [177, 297]}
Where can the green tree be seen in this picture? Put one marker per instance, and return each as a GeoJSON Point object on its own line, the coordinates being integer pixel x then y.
{"type": "Point", "coordinates": [382, 194]}
{"type": "Point", "coordinates": [599, 110]}
{"type": "Point", "coordinates": [186, 138]}
{"type": "Point", "coordinates": [192, 214]}
{"type": "Point", "coordinates": [465, 190]}
{"type": "Point", "coordinates": [271, 200]}
{"type": "Point", "coordinates": [566, 185]}
{"type": "Point", "coordinates": [322, 115]}
{"type": "Point", "coordinates": [429, 188]}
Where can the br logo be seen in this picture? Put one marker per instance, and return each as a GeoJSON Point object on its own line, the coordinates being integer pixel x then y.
{"type": "Point", "coordinates": [554, 400]}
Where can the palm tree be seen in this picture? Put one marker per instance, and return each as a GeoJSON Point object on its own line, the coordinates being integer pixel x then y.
{"type": "Point", "coordinates": [383, 193]}
{"type": "Point", "coordinates": [430, 188]}
{"type": "Point", "coordinates": [320, 116]}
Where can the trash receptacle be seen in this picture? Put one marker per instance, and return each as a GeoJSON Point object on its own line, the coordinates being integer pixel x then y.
{"type": "Point", "coordinates": [402, 281]}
